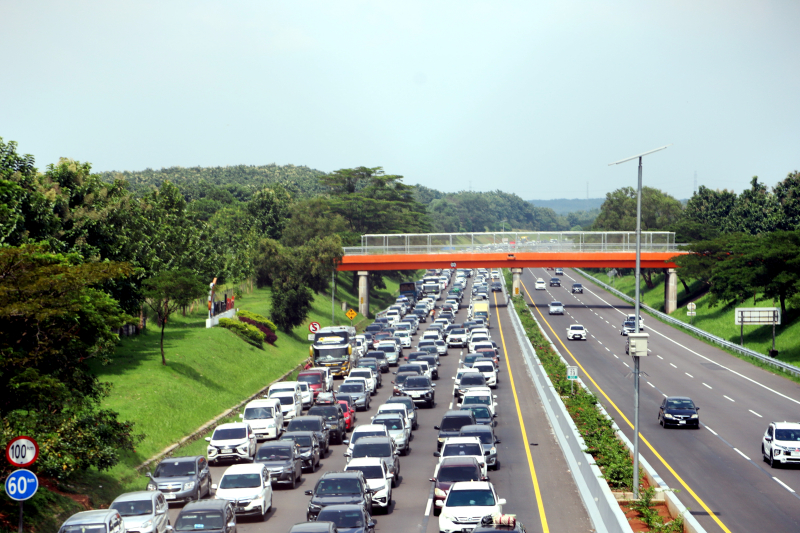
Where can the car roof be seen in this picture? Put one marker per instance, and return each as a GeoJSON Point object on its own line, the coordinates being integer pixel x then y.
{"type": "Point", "coordinates": [342, 473]}
{"type": "Point", "coordinates": [369, 427]}
{"type": "Point", "coordinates": [298, 433]}
{"type": "Point", "coordinates": [470, 485]}
{"type": "Point", "coordinates": [183, 458]}
{"type": "Point", "coordinates": [482, 428]}
{"type": "Point", "coordinates": [459, 460]}
{"type": "Point", "coordinates": [280, 443]}
{"type": "Point", "coordinates": [244, 468]}
{"type": "Point", "coordinates": [232, 425]}
{"type": "Point", "coordinates": [388, 416]}
{"type": "Point", "coordinates": [374, 438]}
{"type": "Point", "coordinates": [455, 412]}
{"type": "Point", "coordinates": [344, 507]}
{"type": "Point", "coordinates": [262, 402]}
{"type": "Point", "coordinates": [281, 394]}
{"type": "Point", "coordinates": [678, 398]}
{"type": "Point", "coordinates": [136, 496]}
{"type": "Point", "coordinates": [90, 517]}
{"type": "Point", "coordinates": [206, 504]}
{"type": "Point", "coordinates": [461, 440]}
{"type": "Point", "coordinates": [312, 527]}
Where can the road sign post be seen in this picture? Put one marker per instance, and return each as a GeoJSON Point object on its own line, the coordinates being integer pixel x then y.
{"type": "Point", "coordinates": [690, 310]}
{"type": "Point", "coordinates": [314, 327]}
{"type": "Point", "coordinates": [21, 485]}
{"type": "Point", "coordinates": [452, 265]}
{"type": "Point", "coordinates": [572, 375]}
{"type": "Point", "coordinates": [351, 314]}
{"type": "Point", "coordinates": [22, 451]}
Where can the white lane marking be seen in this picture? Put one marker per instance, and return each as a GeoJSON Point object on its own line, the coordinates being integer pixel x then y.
{"type": "Point", "coordinates": [707, 385]}
{"type": "Point", "coordinates": [598, 342]}
{"type": "Point", "coordinates": [688, 374]}
{"type": "Point", "coordinates": [728, 397]}
{"type": "Point", "coordinates": [450, 406]}
{"type": "Point", "coordinates": [606, 347]}
{"type": "Point", "coordinates": [651, 384]}
{"type": "Point", "coordinates": [740, 453]}
{"type": "Point", "coordinates": [615, 355]}
{"type": "Point", "coordinates": [787, 487]}
{"type": "Point", "coordinates": [659, 357]}
{"type": "Point", "coordinates": [626, 364]}
{"type": "Point", "coordinates": [673, 366]}
{"type": "Point", "coordinates": [428, 507]}
{"type": "Point", "coordinates": [664, 395]}
{"type": "Point", "coordinates": [711, 430]}
{"type": "Point", "coordinates": [758, 415]}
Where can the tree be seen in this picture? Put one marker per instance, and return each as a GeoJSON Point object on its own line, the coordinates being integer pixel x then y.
{"type": "Point", "coordinates": [168, 291]}
{"type": "Point", "coordinates": [291, 302]}
{"type": "Point", "coordinates": [755, 211]}
{"type": "Point", "coordinates": [709, 207]}
{"type": "Point", "coordinates": [271, 209]}
{"type": "Point", "coordinates": [787, 192]}
{"type": "Point", "coordinates": [312, 218]}
{"type": "Point", "coordinates": [618, 212]}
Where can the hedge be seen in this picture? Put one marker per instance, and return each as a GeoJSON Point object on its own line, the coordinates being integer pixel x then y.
{"type": "Point", "coordinates": [258, 319]}
{"type": "Point", "coordinates": [246, 331]}
{"type": "Point", "coordinates": [269, 335]}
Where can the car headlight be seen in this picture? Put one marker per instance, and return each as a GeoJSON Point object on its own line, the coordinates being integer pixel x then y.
{"type": "Point", "coordinates": [188, 486]}
{"type": "Point", "coordinates": [314, 507]}
{"type": "Point", "coordinates": [242, 448]}
{"type": "Point", "coordinates": [306, 455]}
{"type": "Point", "coordinates": [147, 524]}
{"type": "Point", "coordinates": [492, 451]}
{"type": "Point", "coordinates": [776, 450]}
{"type": "Point", "coordinates": [441, 439]}
{"type": "Point", "coordinates": [694, 416]}
{"type": "Point", "coordinates": [667, 415]}
{"type": "Point", "coordinates": [448, 517]}
{"type": "Point", "coordinates": [150, 486]}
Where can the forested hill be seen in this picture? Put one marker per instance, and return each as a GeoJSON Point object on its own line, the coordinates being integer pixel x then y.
{"type": "Point", "coordinates": [562, 206]}
{"type": "Point", "coordinates": [241, 180]}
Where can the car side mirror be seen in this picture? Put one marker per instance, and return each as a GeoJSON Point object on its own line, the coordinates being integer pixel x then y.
{"type": "Point", "coordinates": [345, 441]}
{"type": "Point", "coordinates": [348, 454]}
{"type": "Point", "coordinates": [433, 480]}
{"type": "Point", "coordinates": [213, 486]}
{"type": "Point", "coordinates": [497, 442]}
{"type": "Point", "coordinates": [208, 439]}
{"type": "Point", "coordinates": [501, 501]}
{"type": "Point", "coordinates": [241, 415]}
{"type": "Point", "coordinates": [697, 408]}
{"type": "Point", "coordinates": [494, 396]}
{"type": "Point", "coordinates": [169, 529]}
{"type": "Point", "coordinates": [439, 503]}
{"type": "Point", "coordinates": [373, 523]}
{"type": "Point", "coordinates": [494, 415]}
{"type": "Point", "coordinates": [436, 427]}
{"type": "Point", "coordinates": [437, 454]}
{"type": "Point", "coordinates": [768, 439]}
{"type": "Point", "coordinates": [433, 385]}
{"type": "Point", "coordinates": [453, 378]}
{"type": "Point", "coordinates": [309, 493]}
{"type": "Point", "coordinates": [160, 511]}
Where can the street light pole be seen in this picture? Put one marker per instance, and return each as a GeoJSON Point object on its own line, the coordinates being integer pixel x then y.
{"type": "Point", "coordinates": [637, 306]}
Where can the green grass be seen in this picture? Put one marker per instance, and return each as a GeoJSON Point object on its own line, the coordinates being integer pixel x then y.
{"type": "Point", "coordinates": [719, 320]}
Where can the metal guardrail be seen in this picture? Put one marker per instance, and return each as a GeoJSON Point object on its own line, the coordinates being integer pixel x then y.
{"type": "Point", "coordinates": [786, 367]}
{"type": "Point", "coordinates": [564, 246]}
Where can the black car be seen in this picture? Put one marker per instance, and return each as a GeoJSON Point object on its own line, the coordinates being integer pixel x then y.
{"type": "Point", "coordinates": [314, 527]}
{"type": "Point", "coordinates": [409, 367]}
{"type": "Point", "coordinates": [283, 461]}
{"type": "Point", "coordinates": [399, 382]}
{"type": "Point", "coordinates": [483, 415]}
{"type": "Point", "coordinates": [488, 440]}
{"type": "Point", "coordinates": [374, 328]}
{"type": "Point", "coordinates": [381, 357]}
{"type": "Point", "coordinates": [678, 411]}
{"type": "Point", "coordinates": [313, 423]}
{"type": "Point", "coordinates": [350, 518]}
{"type": "Point", "coordinates": [451, 424]}
{"type": "Point", "coordinates": [173, 474]}
{"type": "Point", "coordinates": [413, 356]}
{"type": "Point", "coordinates": [338, 488]}
{"type": "Point", "coordinates": [420, 389]}
{"type": "Point", "coordinates": [433, 363]}
{"type": "Point", "coordinates": [422, 314]}
{"type": "Point", "coordinates": [577, 287]}
{"type": "Point", "coordinates": [497, 286]}
{"type": "Point", "coordinates": [308, 446]}
{"type": "Point", "coordinates": [555, 282]}
{"type": "Point", "coordinates": [208, 516]}
{"type": "Point", "coordinates": [334, 419]}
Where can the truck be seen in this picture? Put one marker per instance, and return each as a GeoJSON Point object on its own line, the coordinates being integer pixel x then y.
{"type": "Point", "coordinates": [481, 310]}
{"type": "Point", "coordinates": [334, 348]}
{"type": "Point", "coordinates": [409, 290]}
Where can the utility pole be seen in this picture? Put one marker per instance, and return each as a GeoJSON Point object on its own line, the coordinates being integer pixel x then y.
{"type": "Point", "coordinates": [695, 182]}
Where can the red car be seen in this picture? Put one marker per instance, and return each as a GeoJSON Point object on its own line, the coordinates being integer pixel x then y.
{"type": "Point", "coordinates": [315, 379]}
{"type": "Point", "coordinates": [349, 415]}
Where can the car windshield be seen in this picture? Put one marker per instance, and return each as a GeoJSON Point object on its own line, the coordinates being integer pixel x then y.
{"type": "Point", "coordinates": [328, 413]}
{"type": "Point", "coordinates": [473, 379]}
{"type": "Point", "coordinates": [422, 344]}
{"type": "Point", "coordinates": [257, 413]}
{"type": "Point", "coordinates": [230, 433]}
{"type": "Point", "coordinates": [454, 450]}
{"type": "Point", "coordinates": [387, 348]}
{"type": "Point", "coordinates": [339, 486]}
{"type": "Point", "coordinates": [555, 304]}
{"type": "Point", "coordinates": [360, 434]}
{"type": "Point", "coordinates": [400, 379]}
{"type": "Point", "coordinates": [342, 519]}
{"type": "Point", "coordinates": [485, 400]}
{"type": "Point", "coordinates": [486, 437]}
{"type": "Point", "coordinates": [576, 328]}
{"type": "Point", "coordinates": [369, 471]}
{"type": "Point", "coordinates": [310, 378]}
{"type": "Point", "coordinates": [787, 434]}
{"type": "Point", "coordinates": [454, 423]}
{"type": "Point", "coordinates": [303, 425]}
{"type": "Point", "coordinates": [84, 528]}
{"type": "Point", "coordinates": [470, 498]}
{"type": "Point", "coordinates": [351, 387]}
{"type": "Point", "coordinates": [680, 404]}
{"type": "Point", "coordinates": [439, 343]}
{"type": "Point", "coordinates": [302, 440]}
{"type": "Point", "coordinates": [390, 423]}
{"type": "Point", "coordinates": [175, 469]}
{"type": "Point", "coordinates": [458, 331]}
{"type": "Point", "coordinates": [459, 473]}
{"type": "Point", "coordinates": [199, 520]}
{"type": "Point", "coordinates": [577, 285]}
{"type": "Point", "coordinates": [401, 334]}
{"type": "Point", "coordinates": [372, 449]}
{"type": "Point", "coordinates": [480, 412]}
{"type": "Point", "coordinates": [360, 374]}
{"type": "Point", "coordinates": [630, 324]}
{"type": "Point", "coordinates": [416, 381]}
{"type": "Point", "coordinates": [286, 400]}
{"type": "Point", "coordinates": [240, 481]}
{"type": "Point", "coordinates": [273, 453]}
{"type": "Point", "coordinates": [133, 508]}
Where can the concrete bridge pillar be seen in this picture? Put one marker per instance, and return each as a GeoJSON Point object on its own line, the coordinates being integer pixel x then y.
{"type": "Point", "coordinates": [363, 293]}
{"type": "Point", "coordinates": [670, 291]}
{"type": "Point", "coordinates": [515, 285]}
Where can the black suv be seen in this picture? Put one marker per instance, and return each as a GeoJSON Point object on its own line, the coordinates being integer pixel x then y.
{"type": "Point", "coordinates": [497, 286]}
{"type": "Point", "coordinates": [338, 488]}
{"type": "Point", "coordinates": [577, 287]}
{"type": "Point", "coordinates": [420, 389]}
{"type": "Point", "coordinates": [334, 419]}
{"type": "Point", "coordinates": [555, 282]}
{"type": "Point", "coordinates": [451, 424]}
{"type": "Point", "coordinates": [308, 446]}
{"type": "Point", "coordinates": [317, 425]}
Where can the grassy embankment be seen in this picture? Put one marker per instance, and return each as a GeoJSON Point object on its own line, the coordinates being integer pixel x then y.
{"type": "Point", "coordinates": [719, 320]}
{"type": "Point", "coordinates": [208, 371]}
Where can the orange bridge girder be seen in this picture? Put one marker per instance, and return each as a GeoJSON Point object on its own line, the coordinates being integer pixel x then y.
{"type": "Point", "coordinates": [626, 259]}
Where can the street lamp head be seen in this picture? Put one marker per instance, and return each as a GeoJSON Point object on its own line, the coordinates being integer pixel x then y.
{"type": "Point", "coordinates": [640, 155]}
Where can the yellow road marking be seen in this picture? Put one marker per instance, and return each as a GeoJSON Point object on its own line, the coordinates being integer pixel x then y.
{"type": "Point", "coordinates": [663, 461]}
{"type": "Point", "coordinates": [534, 479]}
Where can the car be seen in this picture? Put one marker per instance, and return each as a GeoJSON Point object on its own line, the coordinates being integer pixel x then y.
{"type": "Point", "coordinates": [307, 444]}
{"type": "Point", "coordinates": [314, 527]}
{"type": "Point", "coordinates": [100, 520]}
{"type": "Point", "coordinates": [409, 358]}
{"type": "Point", "coordinates": [142, 511]}
{"type": "Point", "coordinates": [463, 447]}
{"type": "Point", "coordinates": [357, 391]}
{"type": "Point", "coordinates": [349, 409]}
{"type": "Point", "coordinates": [374, 365]}
{"type": "Point", "coordinates": [249, 487]}
{"type": "Point", "coordinates": [349, 518]}
{"type": "Point", "coordinates": [470, 378]}
{"type": "Point", "coordinates": [291, 404]}
{"type": "Point", "coordinates": [780, 444]}
{"type": "Point", "coordinates": [212, 516]}
{"type": "Point", "coordinates": [466, 504]}
{"type": "Point", "coordinates": [451, 424]}
{"type": "Point", "coordinates": [234, 440]}
{"type": "Point", "coordinates": [334, 419]}
{"type": "Point", "coordinates": [457, 337]}
{"type": "Point", "coordinates": [337, 488]}
{"type": "Point", "coordinates": [366, 373]}
{"type": "Point", "coordinates": [283, 461]}
{"type": "Point", "coordinates": [632, 318]}
{"type": "Point", "coordinates": [401, 409]}
{"type": "Point", "coordinates": [489, 372]}
{"type": "Point", "coordinates": [329, 398]}
{"type": "Point", "coordinates": [379, 479]}
{"type": "Point", "coordinates": [383, 447]}
{"type": "Point", "coordinates": [365, 430]}
{"type": "Point", "coordinates": [315, 379]}
{"type": "Point", "coordinates": [577, 332]}
{"type": "Point", "coordinates": [539, 285]}
{"type": "Point", "coordinates": [629, 326]}
{"type": "Point", "coordinates": [577, 288]}
{"type": "Point", "coordinates": [306, 394]}
{"type": "Point", "coordinates": [411, 409]}
{"type": "Point", "coordinates": [181, 478]}
{"type": "Point", "coordinates": [483, 396]}
{"type": "Point", "coordinates": [559, 271]}
{"type": "Point", "coordinates": [391, 350]}
{"type": "Point", "coordinates": [485, 434]}
{"type": "Point", "coordinates": [497, 286]}
{"type": "Point", "coordinates": [555, 282]}
{"type": "Point", "coordinates": [556, 308]}
{"type": "Point", "coordinates": [426, 368]}
{"type": "Point", "coordinates": [265, 417]}
{"type": "Point", "coordinates": [433, 364]}
{"type": "Point", "coordinates": [316, 423]}
{"type": "Point", "coordinates": [420, 389]}
{"type": "Point", "coordinates": [399, 382]}
{"type": "Point", "coordinates": [483, 415]}
{"type": "Point", "coordinates": [451, 470]}
{"type": "Point", "coordinates": [404, 337]}
{"type": "Point", "coordinates": [678, 411]}
{"type": "Point", "coordinates": [399, 429]}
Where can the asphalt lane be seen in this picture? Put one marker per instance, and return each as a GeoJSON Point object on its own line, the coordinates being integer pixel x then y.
{"type": "Point", "coordinates": [717, 468]}
{"type": "Point", "coordinates": [411, 508]}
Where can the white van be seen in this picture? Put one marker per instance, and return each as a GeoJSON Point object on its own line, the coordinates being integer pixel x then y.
{"type": "Point", "coordinates": [283, 386]}
{"type": "Point", "coordinates": [265, 417]}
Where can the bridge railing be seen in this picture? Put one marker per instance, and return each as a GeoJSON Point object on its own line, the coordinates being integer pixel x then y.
{"type": "Point", "coordinates": [480, 243]}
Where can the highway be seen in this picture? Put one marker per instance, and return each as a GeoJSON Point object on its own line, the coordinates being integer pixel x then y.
{"type": "Point", "coordinates": [718, 468]}
{"type": "Point", "coordinates": [533, 476]}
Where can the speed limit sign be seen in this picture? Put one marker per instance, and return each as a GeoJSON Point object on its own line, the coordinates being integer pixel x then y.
{"type": "Point", "coordinates": [22, 451]}
{"type": "Point", "coordinates": [452, 265]}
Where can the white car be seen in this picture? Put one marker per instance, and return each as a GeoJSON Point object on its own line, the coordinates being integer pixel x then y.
{"type": "Point", "coordinates": [396, 408]}
{"type": "Point", "coordinates": [457, 337]}
{"type": "Point", "coordinates": [632, 318]}
{"type": "Point", "coordinates": [431, 335]}
{"type": "Point", "coordinates": [365, 430]}
{"type": "Point", "coordinates": [378, 477]}
{"type": "Point", "coordinates": [306, 394]}
{"type": "Point", "coordinates": [235, 440]}
{"type": "Point", "coordinates": [480, 338]}
{"type": "Point", "coordinates": [367, 375]}
{"type": "Point", "coordinates": [463, 447]}
{"type": "Point", "coordinates": [539, 285]}
{"type": "Point", "coordinates": [482, 396]}
{"type": "Point", "coordinates": [391, 350]}
{"type": "Point", "coordinates": [443, 321]}
{"type": "Point", "coordinates": [489, 372]}
{"type": "Point", "coordinates": [405, 338]}
{"type": "Point", "coordinates": [457, 378]}
{"type": "Point", "coordinates": [577, 332]}
{"type": "Point", "coordinates": [426, 369]}
{"type": "Point", "coordinates": [555, 308]}
{"type": "Point", "coordinates": [398, 427]}
{"type": "Point", "coordinates": [394, 316]}
{"type": "Point", "coordinates": [466, 503]}
{"type": "Point", "coordinates": [291, 404]}
{"type": "Point", "coordinates": [265, 417]}
{"type": "Point", "coordinates": [249, 486]}
{"type": "Point", "coordinates": [780, 444]}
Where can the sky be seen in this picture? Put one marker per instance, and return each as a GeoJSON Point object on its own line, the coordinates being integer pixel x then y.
{"type": "Point", "coordinates": [534, 98]}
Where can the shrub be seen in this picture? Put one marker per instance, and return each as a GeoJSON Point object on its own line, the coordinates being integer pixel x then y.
{"type": "Point", "coordinates": [246, 331]}
{"type": "Point", "coordinates": [269, 335]}
{"type": "Point", "coordinates": [255, 318]}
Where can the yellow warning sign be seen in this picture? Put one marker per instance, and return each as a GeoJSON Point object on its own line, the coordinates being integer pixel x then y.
{"type": "Point", "coordinates": [351, 314]}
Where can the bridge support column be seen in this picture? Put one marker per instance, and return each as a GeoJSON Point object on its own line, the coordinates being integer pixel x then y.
{"type": "Point", "coordinates": [515, 285]}
{"type": "Point", "coordinates": [670, 291]}
{"type": "Point", "coordinates": [363, 293]}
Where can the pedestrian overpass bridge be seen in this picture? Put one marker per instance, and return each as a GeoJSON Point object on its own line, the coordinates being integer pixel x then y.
{"type": "Point", "coordinates": [514, 250]}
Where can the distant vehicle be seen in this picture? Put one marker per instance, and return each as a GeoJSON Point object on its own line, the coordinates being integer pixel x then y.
{"type": "Point", "coordinates": [576, 331]}
{"type": "Point", "coordinates": [235, 440]}
{"type": "Point", "coordinates": [539, 285]}
{"type": "Point", "coordinates": [481, 310]}
{"type": "Point", "coordinates": [555, 282]}
{"type": "Point", "coordinates": [335, 487]}
{"type": "Point", "coordinates": [333, 347]}
{"type": "Point", "coordinates": [556, 308]}
{"type": "Point", "coordinates": [577, 288]}
{"type": "Point", "coordinates": [105, 520]}
{"type": "Point", "coordinates": [678, 411]}
{"type": "Point", "coordinates": [497, 286]}
{"type": "Point", "coordinates": [144, 511]}
{"type": "Point", "coordinates": [472, 499]}
{"type": "Point", "coordinates": [283, 461]}
{"type": "Point", "coordinates": [632, 318]}
{"type": "Point", "coordinates": [559, 272]}
{"type": "Point", "coordinates": [212, 516]}
{"type": "Point", "coordinates": [249, 487]}
{"type": "Point", "coordinates": [629, 326]}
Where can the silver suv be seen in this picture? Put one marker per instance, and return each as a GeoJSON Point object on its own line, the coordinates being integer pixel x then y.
{"type": "Point", "coordinates": [143, 511]}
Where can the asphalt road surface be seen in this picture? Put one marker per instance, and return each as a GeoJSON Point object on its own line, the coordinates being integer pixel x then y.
{"type": "Point", "coordinates": [717, 468]}
{"type": "Point", "coordinates": [532, 477]}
